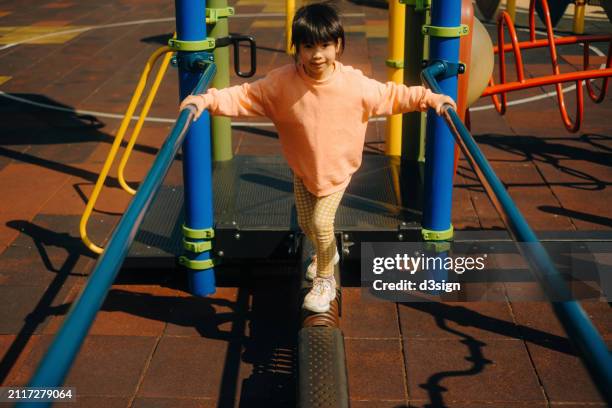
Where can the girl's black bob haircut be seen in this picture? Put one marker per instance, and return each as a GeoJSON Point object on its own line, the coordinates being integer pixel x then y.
{"type": "Point", "coordinates": [315, 24]}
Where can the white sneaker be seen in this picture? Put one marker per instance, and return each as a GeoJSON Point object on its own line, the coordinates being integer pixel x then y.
{"type": "Point", "coordinates": [322, 293]}
{"type": "Point", "coordinates": [311, 271]}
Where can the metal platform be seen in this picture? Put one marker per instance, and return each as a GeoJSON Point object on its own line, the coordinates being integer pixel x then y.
{"type": "Point", "coordinates": [255, 215]}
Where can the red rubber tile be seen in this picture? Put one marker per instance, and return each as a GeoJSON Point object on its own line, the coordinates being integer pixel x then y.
{"type": "Point", "coordinates": [174, 403]}
{"type": "Point", "coordinates": [122, 356]}
{"type": "Point", "coordinates": [537, 319]}
{"type": "Point", "coordinates": [22, 200]}
{"type": "Point", "coordinates": [367, 318]}
{"type": "Point", "coordinates": [131, 310]}
{"type": "Point", "coordinates": [378, 404]}
{"type": "Point", "coordinates": [464, 215]}
{"type": "Point", "coordinates": [589, 210]}
{"type": "Point", "coordinates": [216, 316]}
{"type": "Point", "coordinates": [96, 402]}
{"type": "Point", "coordinates": [469, 370]}
{"type": "Point", "coordinates": [574, 385]}
{"type": "Point", "coordinates": [28, 309]}
{"type": "Point", "coordinates": [186, 367]}
{"type": "Point", "coordinates": [375, 369]}
{"type": "Point", "coordinates": [479, 320]}
{"type": "Point", "coordinates": [479, 404]}
{"type": "Point", "coordinates": [16, 364]}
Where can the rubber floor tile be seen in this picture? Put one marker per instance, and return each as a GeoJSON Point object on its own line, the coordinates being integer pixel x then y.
{"type": "Point", "coordinates": [537, 320]}
{"type": "Point", "coordinates": [375, 369]}
{"type": "Point", "coordinates": [96, 402]}
{"type": "Point", "coordinates": [470, 369]}
{"type": "Point", "coordinates": [128, 310]}
{"type": "Point", "coordinates": [26, 310]}
{"type": "Point", "coordinates": [479, 404]}
{"type": "Point", "coordinates": [174, 403]}
{"type": "Point", "coordinates": [222, 315]}
{"type": "Point", "coordinates": [187, 367]}
{"type": "Point", "coordinates": [124, 357]}
{"type": "Point", "coordinates": [21, 200]}
{"type": "Point", "coordinates": [15, 365]}
{"type": "Point", "coordinates": [457, 320]}
{"type": "Point", "coordinates": [378, 404]}
{"type": "Point", "coordinates": [362, 318]}
{"type": "Point", "coordinates": [588, 210]}
{"type": "Point", "coordinates": [575, 384]}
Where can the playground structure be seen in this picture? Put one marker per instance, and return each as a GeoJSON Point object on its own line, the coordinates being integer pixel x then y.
{"type": "Point", "coordinates": [444, 67]}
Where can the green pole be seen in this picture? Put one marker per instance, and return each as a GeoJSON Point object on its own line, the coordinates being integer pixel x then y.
{"type": "Point", "coordinates": [221, 126]}
{"type": "Point", "coordinates": [413, 126]}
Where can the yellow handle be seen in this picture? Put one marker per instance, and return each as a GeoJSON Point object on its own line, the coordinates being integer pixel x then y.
{"type": "Point", "coordinates": [397, 27]}
{"type": "Point", "coordinates": [114, 148]}
{"type": "Point", "coordinates": [579, 17]}
{"type": "Point", "coordinates": [143, 114]}
{"type": "Point", "coordinates": [290, 11]}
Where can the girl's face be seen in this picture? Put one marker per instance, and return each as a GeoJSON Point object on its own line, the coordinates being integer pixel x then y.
{"type": "Point", "coordinates": [318, 59]}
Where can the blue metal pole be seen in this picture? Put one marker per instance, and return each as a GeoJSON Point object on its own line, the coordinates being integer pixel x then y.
{"type": "Point", "coordinates": [440, 147]}
{"type": "Point", "coordinates": [577, 325]}
{"type": "Point", "coordinates": [197, 164]}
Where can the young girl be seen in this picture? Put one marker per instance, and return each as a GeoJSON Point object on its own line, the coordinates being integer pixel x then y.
{"type": "Point", "coordinates": [321, 110]}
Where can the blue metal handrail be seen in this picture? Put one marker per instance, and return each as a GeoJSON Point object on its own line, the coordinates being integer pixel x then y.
{"type": "Point", "coordinates": [52, 370]}
{"type": "Point", "coordinates": [578, 326]}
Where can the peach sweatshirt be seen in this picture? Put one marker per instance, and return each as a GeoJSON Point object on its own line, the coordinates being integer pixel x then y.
{"type": "Point", "coordinates": [321, 124]}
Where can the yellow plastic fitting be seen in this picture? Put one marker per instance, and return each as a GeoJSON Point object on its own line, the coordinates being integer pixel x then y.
{"type": "Point", "coordinates": [115, 147]}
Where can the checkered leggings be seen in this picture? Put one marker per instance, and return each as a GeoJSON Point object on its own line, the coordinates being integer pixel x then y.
{"type": "Point", "coordinates": [316, 218]}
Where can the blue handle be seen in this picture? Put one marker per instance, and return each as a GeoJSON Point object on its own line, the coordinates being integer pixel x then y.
{"type": "Point", "coordinates": [578, 326]}
{"type": "Point", "coordinates": [52, 370]}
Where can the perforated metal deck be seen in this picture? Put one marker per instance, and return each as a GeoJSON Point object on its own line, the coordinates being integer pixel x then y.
{"type": "Point", "coordinates": [253, 198]}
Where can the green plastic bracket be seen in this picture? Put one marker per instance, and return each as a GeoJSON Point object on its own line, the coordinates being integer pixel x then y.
{"type": "Point", "coordinates": [215, 14]}
{"type": "Point", "coordinates": [197, 265]}
{"type": "Point", "coordinates": [394, 64]}
{"type": "Point", "coordinates": [203, 45]}
{"type": "Point", "coordinates": [197, 247]}
{"type": "Point", "coordinates": [438, 246]}
{"type": "Point", "coordinates": [430, 235]}
{"type": "Point", "coordinates": [207, 233]}
{"type": "Point", "coordinates": [419, 5]}
{"type": "Point", "coordinates": [446, 32]}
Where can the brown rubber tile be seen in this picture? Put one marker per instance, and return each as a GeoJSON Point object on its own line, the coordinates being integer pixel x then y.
{"type": "Point", "coordinates": [17, 202]}
{"type": "Point", "coordinates": [589, 210]}
{"type": "Point", "coordinates": [46, 249]}
{"type": "Point", "coordinates": [219, 316]}
{"type": "Point", "coordinates": [174, 403]}
{"type": "Point", "coordinates": [130, 310]}
{"type": "Point", "coordinates": [538, 321]}
{"type": "Point", "coordinates": [574, 385]}
{"type": "Point", "coordinates": [27, 310]}
{"type": "Point", "coordinates": [96, 402]}
{"type": "Point", "coordinates": [378, 404]}
{"type": "Point", "coordinates": [479, 404]}
{"type": "Point", "coordinates": [537, 318]}
{"type": "Point", "coordinates": [17, 357]}
{"type": "Point", "coordinates": [466, 370]}
{"type": "Point", "coordinates": [375, 369]}
{"type": "Point", "coordinates": [124, 356]}
{"type": "Point", "coordinates": [464, 215]}
{"type": "Point", "coordinates": [459, 320]}
{"type": "Point", "coordinates": [186, 367]}
{"type": "Point", "coordinates": [367, 318]}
